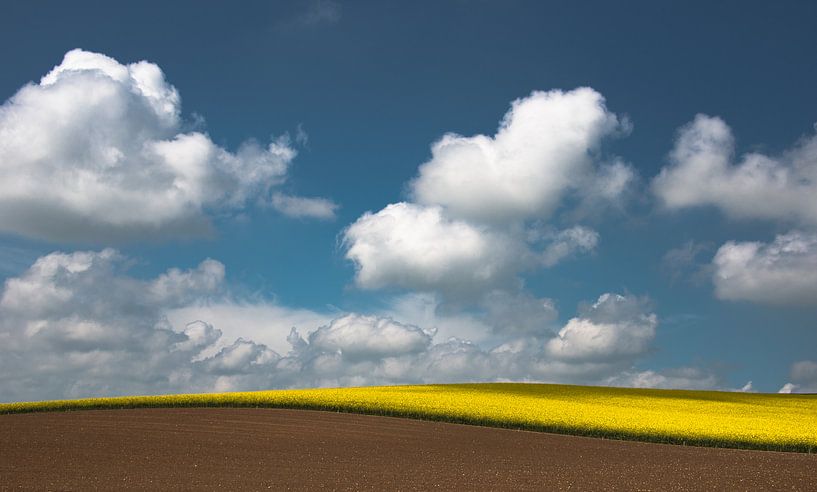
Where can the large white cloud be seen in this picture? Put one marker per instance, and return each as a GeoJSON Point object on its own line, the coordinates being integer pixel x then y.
{"type": "Point", "coordinates": [96, 150]}
{"type": "Point", "coordinates": [417, 247]}
{"type": "Point", "coordinates": [703, 171]}
{"type": "Point", "coordinates": [481, 204]}
{"type": "Point", "coordinates": [543, 149]}
{"type": "Point", "coordinates": [781, 272]}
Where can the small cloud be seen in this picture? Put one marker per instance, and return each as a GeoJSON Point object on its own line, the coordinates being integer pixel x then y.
{"type": "Point", "coordinates": [321, 12]}
{"type": "Point", "coordinates": [304, 207]}
{"type": "Point", "coordinates": [301, 137]}
{"type": "Point", "coordinates": [746, 388]}
{"type": "Point", "coordinates": [788, 388]}
{"type": "Point", "coordinates": [317, 13]}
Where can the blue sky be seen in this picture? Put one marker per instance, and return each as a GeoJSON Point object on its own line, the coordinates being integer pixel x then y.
{"type": "Point", "coordinates": [578, 264]}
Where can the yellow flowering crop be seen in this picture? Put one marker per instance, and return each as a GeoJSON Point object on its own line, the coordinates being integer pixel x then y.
{"type": "Point", "coordinates": [760, 421]}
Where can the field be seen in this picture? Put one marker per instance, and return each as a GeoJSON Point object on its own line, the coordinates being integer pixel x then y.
{"type": "Point", "coordinates": [702, 418]}
{"type": "Point", "coordinates": [281, 449]}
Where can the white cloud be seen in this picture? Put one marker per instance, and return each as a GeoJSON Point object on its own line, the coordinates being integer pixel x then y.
{"type": "Point", "coordinates": [298, 206]}
{"type": "Point", "coordinates": [242, 356]}
{"type": "Point", "coordinates": [419, 248]}
{"type": "Point", "coordinates": [703, 172]}
{"type": "Point", "coordinates": [74, 324]}
{"type": "Point", "coordinates": [614, 327]}
{"type": "Point", "coordinates": [468, 230]}
{"type": "Point", "coordinates": [782, 272]}
{"type": "Point", "coordinates": [78, 325]}
{"type": "Point", "coordinates": [96, 151]}
{"type": "Point", "coordinates": [788, 388]}
{"type": "Point", "coordinates": [746, 388]}
{"type": "Point", "coordinates": [542, 150]}
{"type": "Point", "coordinates": [356, 337]}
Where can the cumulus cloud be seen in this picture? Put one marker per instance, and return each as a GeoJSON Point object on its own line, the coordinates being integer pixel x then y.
{"type": "Point", "coordinates": [299, 207]}
{"type": "Point", "coordinates": [703, 171]}
{"type": "Point", "coordinates": [364, 337]}
{"type": "Point", "coordinates": [543, 150]}
{"type": "Point", "coordinates": [78, 324]}
{"type": "Point", "coordinates": [480, 205]}
{"type": "Point", "coordinates": [73, 324]}
{"type": "Point", "coordinates": [781, 272]}
{"type": "Point", "coordinates": [419, 248]}
{"type": "Point", "coordinates": [96, 150]}
{"type": "Point", "coordinates": [614, 327]}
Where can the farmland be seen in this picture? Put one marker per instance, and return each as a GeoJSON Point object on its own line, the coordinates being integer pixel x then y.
{"type": "Point", "coordinates": [701, 418]}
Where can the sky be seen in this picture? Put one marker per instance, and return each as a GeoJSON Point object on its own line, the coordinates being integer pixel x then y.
{"type": "Point", "coordinates": [199, 197]}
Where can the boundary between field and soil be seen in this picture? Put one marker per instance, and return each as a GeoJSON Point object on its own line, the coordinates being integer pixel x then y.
{"type": "Point", "coordinates": [261, 399]}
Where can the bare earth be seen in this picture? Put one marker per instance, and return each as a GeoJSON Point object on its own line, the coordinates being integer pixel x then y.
{"type": "Point", "coordinates": [290, 449]}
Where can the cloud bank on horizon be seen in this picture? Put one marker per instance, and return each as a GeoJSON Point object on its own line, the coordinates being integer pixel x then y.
{"type": "Point", "coordinates": [78, 324]}
{"type": "Point", "coordinates": [98, 152]}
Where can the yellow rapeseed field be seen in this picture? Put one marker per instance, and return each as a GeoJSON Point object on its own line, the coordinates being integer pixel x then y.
{"type": "Point", "coordinates": [745, 420]}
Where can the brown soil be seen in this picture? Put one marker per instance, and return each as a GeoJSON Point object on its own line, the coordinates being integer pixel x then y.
{"type": "Point", "coordinates": [201, 448]}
